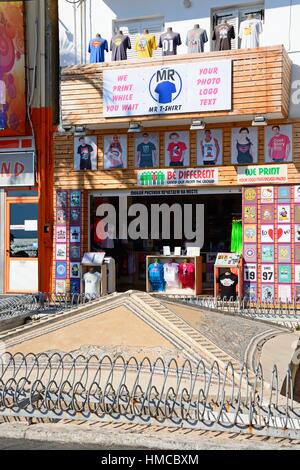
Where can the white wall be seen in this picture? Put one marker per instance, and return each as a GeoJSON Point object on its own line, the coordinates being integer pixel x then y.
{"type": "Point", "coordinates": [281, 26]}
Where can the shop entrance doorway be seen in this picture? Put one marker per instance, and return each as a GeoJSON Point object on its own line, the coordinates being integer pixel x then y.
{"type": "Point", "coordinates": [21, 245]}
{"type": "Point", "coordinates": [130, 255]}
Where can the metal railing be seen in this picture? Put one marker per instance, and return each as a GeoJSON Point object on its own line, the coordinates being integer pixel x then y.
{"type": "Point", "coordinates": [23, 305]}
{"type": "Point", "coordinates": [57, 386]}
{"type": "Point", "coordinates": [285, 311]}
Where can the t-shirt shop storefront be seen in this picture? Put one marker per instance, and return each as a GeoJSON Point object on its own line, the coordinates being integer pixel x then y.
{"type": "Point", "coordinates": [170, 167]}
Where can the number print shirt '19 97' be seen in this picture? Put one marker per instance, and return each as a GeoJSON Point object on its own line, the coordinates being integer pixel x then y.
{"type": "Point", "coordinates": [169, 42]}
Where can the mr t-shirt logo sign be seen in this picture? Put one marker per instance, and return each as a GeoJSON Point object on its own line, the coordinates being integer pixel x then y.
{"type": "Point", "coordinates": [165, 86]}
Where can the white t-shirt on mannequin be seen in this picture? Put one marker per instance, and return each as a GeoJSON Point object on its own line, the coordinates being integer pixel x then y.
{"type": "Point", "coordinates": [92, 283]}
{"type": "Point", "coordinates": [249, 33]}
{"type": "Point", "coordinates": [171, 274]}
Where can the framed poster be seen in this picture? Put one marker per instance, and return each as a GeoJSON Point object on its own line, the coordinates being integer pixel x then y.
{"type": "Point", "coordinates": [278, 143]}
{"type": "Point", "coordinates": [250, 291]}
{"type": "Point", "coordinates": [61, 269]}
{"type": "Point", "coordinates": [284, 193]}
{"type": "Point", "coordinates": [250, 272]}
{"type": "Point", "coordinates": [146, 148]}
{"type": "Point", "coordinates": [210, 147]}
{"type": "Point", "coordinates": [249, 213]}
{"type": "Point", "coordinates": [267, 253]}
{"type": "Point", "coordinates": [297, 193]}
{"type": "Point", "coordinates": [61, 252]}
{"type": "Point", "coordinates": [75, 252]}
{"type": "Point", "coordinates": [297, 273]}
{"type": "Point", "coordinates": [297, 233]}
{"type": "Point", "coordinates": [115, 152]}
{"type": "Point", "coordinates": [267, 273]}
{"type": "Point", "coordinates": [61, 234]}
{"type": "Point", "coordinates": [74, 286]}
{"type": "Point", "coordinates": [284, 253]}
{"type": "Point", "coordinates": [283, 213]}
{"type": "Point", "coordinates": [297, 213]}
{"type": "Point", "coordinates": [250, 233]}
{"type": "Point", "coordinates": [284, 273]}
{"type": "Point", "coordinates": [61, 198]}
{"type": "Point", "coordinates": [284, 233]}
{"type": "Point", "coordinates": [75, 198]}
{"type": "Point", "coordinates": [297, 293]}
{"type": "Point", "coordinates": [74, 234]}
{"type": "Point", "coordinates": [266, 194]}
{"type": "Point", "coordinates": [267, 293]}
{"type": "Point", "coordinates": [244, 145]}
{"type": "Point", "coordinates": [75, 270]}
{"type": "Point", "coordinates": [75, 215]}
{"type": "Point", "coordinates": [60, 286]}
{"type": "Point", "coordinates": [61, 216]}
{"type": "Point", "coordinates": [267, 213]}
{"type": "Point", "coordinates": [250, 195]}
{"type": "Point", "coordinates": [297, 253]}
{"type": "Point", "coordinates": [250, 253]}
{"type": "Point", "coordinates": [177, 148]}
{"type": "Point", "coordinates": [284, 293]}
{"type": "Point", "coordinates": [85, 153]}
{"type": "Point", "coordinates": [267, 233]}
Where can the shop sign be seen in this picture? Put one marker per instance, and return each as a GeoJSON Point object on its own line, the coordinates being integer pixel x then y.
{"type": "Point", "coordinates": [177, 88]}
{"type": "Point", "coordinates": [262, 174]}
{"type": "Point", "coordinates": [177, 177]}
{"type": "Point", "coordinates": [17, 169]}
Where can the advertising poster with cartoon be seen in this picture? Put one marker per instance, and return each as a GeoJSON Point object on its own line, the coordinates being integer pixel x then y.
{"type": "Point", "coordinates": [12, 69]}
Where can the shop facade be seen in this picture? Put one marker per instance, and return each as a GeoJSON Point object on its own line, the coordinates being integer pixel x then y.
{"type": "Point", "coordinates": [229, 168]}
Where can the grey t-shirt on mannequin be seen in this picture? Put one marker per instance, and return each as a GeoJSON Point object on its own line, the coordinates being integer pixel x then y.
{"type": "Point", "coordinates": [118, 46]}
{"type": "Point", "coordinates": [195, 40]}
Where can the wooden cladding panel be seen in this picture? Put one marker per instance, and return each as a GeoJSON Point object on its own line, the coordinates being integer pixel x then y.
{"type": "Point", "coordinates": [261, 79]}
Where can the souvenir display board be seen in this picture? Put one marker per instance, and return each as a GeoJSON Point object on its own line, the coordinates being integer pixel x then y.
{"type": "Point", "coordinates": [174, 274]}
{"type": "Point", "coordinates": [271, 245]}
{"type": "Point", "coordinates": [67, 242]}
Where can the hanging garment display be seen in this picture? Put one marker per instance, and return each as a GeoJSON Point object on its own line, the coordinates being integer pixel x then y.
{"type": "Point", "coordinates": [156, 276]}
{"type": "Point", "coordinates": [236, 236]}
{"type": "Point", "coordinates": [145, 44]}
{"type": "Point", "coordinates": [195, 40]}
{"type": "Point", "coordinates": [186, 274]}
{"type": "Point", "coordinates": [249, 33]}
{"type": "Point", "coordinates": [168, 42]}
{"type": "Point", "coordinates": [118, 46]}
{"type": "Point", "coordinates": [92, 283]}
{"type": "Point", "coordinates": [228, 282]}
{"type": "Point", "coordinates": [97, 48]}
{"type": "Point", "coordinates": [222, 35]}
{"type": "Point", "coordinates": [171, 274]}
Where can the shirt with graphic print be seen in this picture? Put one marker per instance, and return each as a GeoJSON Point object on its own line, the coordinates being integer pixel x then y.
{"type": "Point", "coordinates": [195, 40]}
{"type": "Point", "coordinates": [176, 150]}
{"type": "Point", "coordinates": [118, 46]}
{"type": "Point", "coordinates": [222, 35]}
{"type": "Point", "coordinates": [169, 42]}
{"type": "Point", "coordinates": [97, 46]}
{"type": "Point", "coordinates": [145, 44]}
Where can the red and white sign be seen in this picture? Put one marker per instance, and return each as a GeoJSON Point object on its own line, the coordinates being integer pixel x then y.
{"type": "Point", "coordinates": [176, 88]}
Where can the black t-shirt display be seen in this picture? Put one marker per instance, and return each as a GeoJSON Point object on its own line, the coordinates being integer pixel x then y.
{"type": "Point", "coordinates": [118, 46]}
{"type": "Point", "coordinates": [169, 42]}
{"type": "Point", "coordinates": [228, 282]}
{"type": "Point", "coordinates": [222, 34]}
{"type": "Point", "coordinates": [85, 151]}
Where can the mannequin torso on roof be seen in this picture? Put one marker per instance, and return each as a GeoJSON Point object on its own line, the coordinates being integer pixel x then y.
{"type": "Point", "coordinates": [169, 41]}
{"type": "Point", "coordinates": [222, 35]}
{"type": "Point", "coordinates": [145, 44]}
{"type": "Point", "coordinates": [195, 40]}
{"type": "Point", "coordinates": [119, 45]}
{"type": "Point", "coordinates": [249, 33]}
{"type": "Point", "coordinates": [97, 48]}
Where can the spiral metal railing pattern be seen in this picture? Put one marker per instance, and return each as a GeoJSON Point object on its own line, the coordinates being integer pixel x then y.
{"type": "Point", "coordinates": [60, 386]}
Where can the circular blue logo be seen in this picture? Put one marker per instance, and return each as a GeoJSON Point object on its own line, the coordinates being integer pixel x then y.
{"type": "Point", "coordinates": [165, 85]}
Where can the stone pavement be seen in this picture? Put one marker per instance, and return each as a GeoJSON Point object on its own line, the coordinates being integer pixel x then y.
{"type": "Point", "coordinates": [111, 436]}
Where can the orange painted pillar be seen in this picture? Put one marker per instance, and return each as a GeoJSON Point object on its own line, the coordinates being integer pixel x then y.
{"type": "Point", "coordinates": [43, 129]}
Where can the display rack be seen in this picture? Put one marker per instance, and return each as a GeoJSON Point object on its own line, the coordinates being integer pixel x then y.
{"type": "Point", "coordinates": [95, 260]}
{"type": "Point", "coordinates": [196, 260]}
{"type": "Point", "coordinates": [234, 262]}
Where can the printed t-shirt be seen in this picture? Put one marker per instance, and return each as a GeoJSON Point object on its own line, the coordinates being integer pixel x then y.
{"type": "Point", "coordinates": [85, 151]}
{"type": "Point", "coordinates": [169, 42]}
{"type": "Point", "coordinates": [228, 283]}
{"type": "Point", "coordinates": [118, 46]}
{"type": "Point", "coordinates": [171, 274]}
{"type": "Point", "coordinates": [176, 150]}
{"type": "Point", "coordinates": [92, 283]}
{"type": "Point", "coordinates": [145, 44]}
{"type": "Point", "coordinates": [146, 153]}
{"type": "Point", "coordinates": [222, 34]}
{"type": "Point", "coordinates": [195, 40]}
{"type": "Point", "coordinates": [186, 273]}
{"type": "Point", "coordinates": [249, 33]}
{"type": "Point", "coordinates": [209, 149]}
{"type": "Point", "coordinates": [278, 145]}
{"type": "Point", "coordinates": [165, 91]}
{"type": "Point", "coordinates": [97, 46]}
